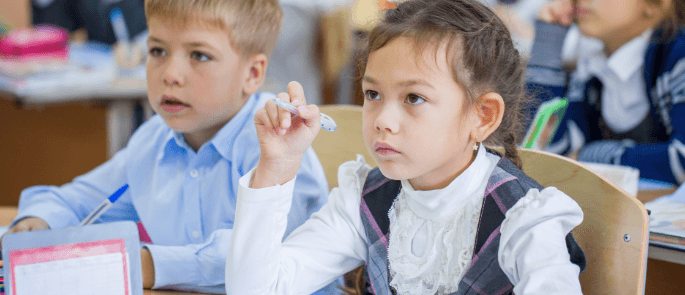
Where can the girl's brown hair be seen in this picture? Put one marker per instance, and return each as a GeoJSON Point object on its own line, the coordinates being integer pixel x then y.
{"type": "Point", "coordinates": [480, 51]}
{"type": "Point", "coordinates": [482, 57]}
{"type": "Point", "coordinates": [674, 19]}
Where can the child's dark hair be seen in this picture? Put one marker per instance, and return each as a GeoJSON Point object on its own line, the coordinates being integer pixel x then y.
{"type": "Point", "coordinates": [482, 57]}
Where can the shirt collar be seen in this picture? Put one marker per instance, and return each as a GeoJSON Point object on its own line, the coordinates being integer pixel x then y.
{"type": "Point", "coordinates": [222, 140]}
{"type": "Point", "coordinates": [441, 203]}
{"type": "Point", "coordinates": [627, 60]}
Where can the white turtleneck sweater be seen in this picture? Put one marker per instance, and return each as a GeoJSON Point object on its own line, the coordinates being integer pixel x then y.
{"type": "Point", "coordinates": [432, 235]}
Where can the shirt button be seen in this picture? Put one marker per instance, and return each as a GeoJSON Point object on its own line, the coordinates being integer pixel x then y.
{"type": "Point", "coordinates": [194, 173]}
{"type": "Point", "coordinates": [196, 234]}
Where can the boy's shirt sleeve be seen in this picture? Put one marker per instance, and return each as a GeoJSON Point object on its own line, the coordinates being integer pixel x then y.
{"type": "Point", "coordinates": [68, 204]}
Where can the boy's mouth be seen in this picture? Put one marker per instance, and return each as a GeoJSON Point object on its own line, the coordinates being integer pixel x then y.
{"type": "Point", "coordinates": [171, 104]}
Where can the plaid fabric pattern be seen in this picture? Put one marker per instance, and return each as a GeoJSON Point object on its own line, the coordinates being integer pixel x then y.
{"type": "Point", "coordinates": [507, 184]}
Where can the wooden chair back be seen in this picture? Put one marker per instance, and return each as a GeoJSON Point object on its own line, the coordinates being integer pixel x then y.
{"type": "Point", "coordinates": [615, 231]}
{"type": "Point", "coordinates": [337, 147]}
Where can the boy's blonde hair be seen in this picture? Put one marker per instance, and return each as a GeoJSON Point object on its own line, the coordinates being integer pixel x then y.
{"type": "Point", "coordinates": [252, 25]}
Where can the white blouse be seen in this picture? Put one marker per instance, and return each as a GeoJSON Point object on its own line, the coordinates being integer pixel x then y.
{"type": "Point", "coordinates": [432, 236]}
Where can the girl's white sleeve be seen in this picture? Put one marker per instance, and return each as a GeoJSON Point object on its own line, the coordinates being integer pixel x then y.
{"type": "Point", "coordinates": [329, 244]}
{"type": "Point", "coordinates": [532, 250]}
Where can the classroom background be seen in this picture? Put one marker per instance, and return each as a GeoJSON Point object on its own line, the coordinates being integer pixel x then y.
{"type": "Point", "coordinates": [63, 123]}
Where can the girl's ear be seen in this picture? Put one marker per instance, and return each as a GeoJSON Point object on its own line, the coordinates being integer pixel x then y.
{"type": "Point", "coordinates": [256, 71]}
{"type": "Point", "coordinates": [489, 112]}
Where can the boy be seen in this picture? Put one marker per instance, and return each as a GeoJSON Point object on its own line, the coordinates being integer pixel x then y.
{"type": "Point", "coordinates": [205, 63]}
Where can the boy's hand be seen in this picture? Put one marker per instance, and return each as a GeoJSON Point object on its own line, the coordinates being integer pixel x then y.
{"type": "Point", "coordinates": [557, 12]}
{"type": "Point", "coordinates": [284, 138]}
{"type": "Point", "coordinates": [148, 267]}
{"type": "Point", "coordinates": [29, 224]}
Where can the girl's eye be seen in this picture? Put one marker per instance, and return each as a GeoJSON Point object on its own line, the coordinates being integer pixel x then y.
{"type": "Point", "coordinates": [199, 56]}
{"type": "Point", "coordinates": [372, 95]}
{"type": "Point", "coordinates": [157, 52]}
{"type": "Point", "coordinates": [414, 99]}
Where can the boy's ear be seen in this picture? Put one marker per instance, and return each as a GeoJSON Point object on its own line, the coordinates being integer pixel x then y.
{"type": "Point", "coordinates": [489, 112]}
{"type": "Point", "coordinates": [256, 71]}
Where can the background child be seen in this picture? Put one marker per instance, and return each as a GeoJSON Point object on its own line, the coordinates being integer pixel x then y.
{"type": "Point", "coordinates": [627, 99]}
{"type": "Point", "coordinates": [205, 63]}
{"type": "Point", "coordinates": [442, 77]}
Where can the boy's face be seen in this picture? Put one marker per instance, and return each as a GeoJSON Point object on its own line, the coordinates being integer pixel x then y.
{"type": "Point", "coordinates": [195, 79]}
{"type": "Point", "coordinates": [413, 122]}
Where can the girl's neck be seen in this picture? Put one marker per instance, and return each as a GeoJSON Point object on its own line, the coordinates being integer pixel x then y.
{"type": "Point", "coordinates": [427, 183]}
{"type": "Point", "coordinates": [611, 45]}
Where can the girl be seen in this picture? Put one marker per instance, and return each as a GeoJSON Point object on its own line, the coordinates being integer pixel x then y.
{"type": "Point", "coordinates": [627, 99]}
{"type": "Point", "coordinates": [441, 214]}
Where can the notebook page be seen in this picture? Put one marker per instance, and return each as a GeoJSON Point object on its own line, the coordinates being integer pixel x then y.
{"type": "Point", "coordinates": [98, 274]}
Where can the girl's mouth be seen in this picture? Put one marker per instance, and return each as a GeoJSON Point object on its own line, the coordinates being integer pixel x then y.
{"type": "Point", "coordinates": [384, 149]}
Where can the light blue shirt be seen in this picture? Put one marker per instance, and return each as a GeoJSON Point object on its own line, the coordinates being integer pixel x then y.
{"type": "Point", "coordinates": [185, 200]}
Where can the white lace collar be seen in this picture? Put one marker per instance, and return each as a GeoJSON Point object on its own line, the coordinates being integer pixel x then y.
{"type": "Point", "coordinates": [432, 233]}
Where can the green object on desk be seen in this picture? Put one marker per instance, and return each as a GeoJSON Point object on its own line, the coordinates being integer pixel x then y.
{"type": "Point", "coordinates": [540, 122]}
{"type": "Point", "coordinates": [4, 25]}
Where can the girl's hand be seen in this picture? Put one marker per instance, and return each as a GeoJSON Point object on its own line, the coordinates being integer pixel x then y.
{"type": "Point", "coordinates": [284, 138]}
{"type": "Point", "coordinates": [557, 12]}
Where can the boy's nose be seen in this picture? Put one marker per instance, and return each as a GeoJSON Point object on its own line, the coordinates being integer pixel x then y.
{"type": "Point", "coordinates": [173, 73]}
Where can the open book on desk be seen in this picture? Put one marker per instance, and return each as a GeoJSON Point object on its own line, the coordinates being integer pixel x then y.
{"type": "Point", "coordinates": [667, 220]}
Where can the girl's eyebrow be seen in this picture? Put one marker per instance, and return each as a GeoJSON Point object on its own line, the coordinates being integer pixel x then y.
{"type": "Point", "coordinates": [155, 39]}
{"type": "Point", "coordinates": [370, 80]}
{"type": "Point", "coordinates": [406, 83]}
{"type": "Point", "coordinates": [415, 82]}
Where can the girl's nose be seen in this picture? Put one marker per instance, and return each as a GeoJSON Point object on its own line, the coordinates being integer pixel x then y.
{"type": "Point", "coordinates": [388, 119]}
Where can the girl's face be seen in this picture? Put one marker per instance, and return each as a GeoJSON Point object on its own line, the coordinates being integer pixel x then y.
{"type": "Point", "coordinates": [614, 22]}
{"type": "Point", "coordinates": [414, 123]}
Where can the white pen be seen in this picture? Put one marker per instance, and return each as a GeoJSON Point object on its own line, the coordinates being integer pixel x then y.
{"type": "Point", "coordinates": [327, 122]}
{"type": "Point", "coordinates": [104, 206]}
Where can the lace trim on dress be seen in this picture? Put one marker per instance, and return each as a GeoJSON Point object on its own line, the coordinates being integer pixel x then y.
{"type": "Point", "coordinates": [448, 253]}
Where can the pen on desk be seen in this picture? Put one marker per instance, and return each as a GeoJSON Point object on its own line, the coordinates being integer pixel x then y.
{"type": "Point", "coordinates": [120, 29]}
{"type": "Point", "coordinates": [327, 122]}
{"type": "Point", "coordinates": [104, 206]}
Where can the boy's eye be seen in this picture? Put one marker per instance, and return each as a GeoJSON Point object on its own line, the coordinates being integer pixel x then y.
{"type": "Point", "coordinates": [156, 51]}
{"type": "Point", "coordinates": [372, 95]}
{"type": "Point", "coordinates": [414, 99]}
{"type": "Point", "coordinates": [199, 56]}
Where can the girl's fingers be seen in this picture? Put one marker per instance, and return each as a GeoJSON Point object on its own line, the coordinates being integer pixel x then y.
{"type": "Point", "coordinates": [296, 93]}
{"type": "Point", "coordinates": [270, 119]}
{"type": "Point", "coordinates": [283, 114]}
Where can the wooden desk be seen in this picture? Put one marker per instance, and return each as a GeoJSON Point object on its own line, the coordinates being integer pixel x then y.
{"type": "Point", "coordinates": [663, 275]}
